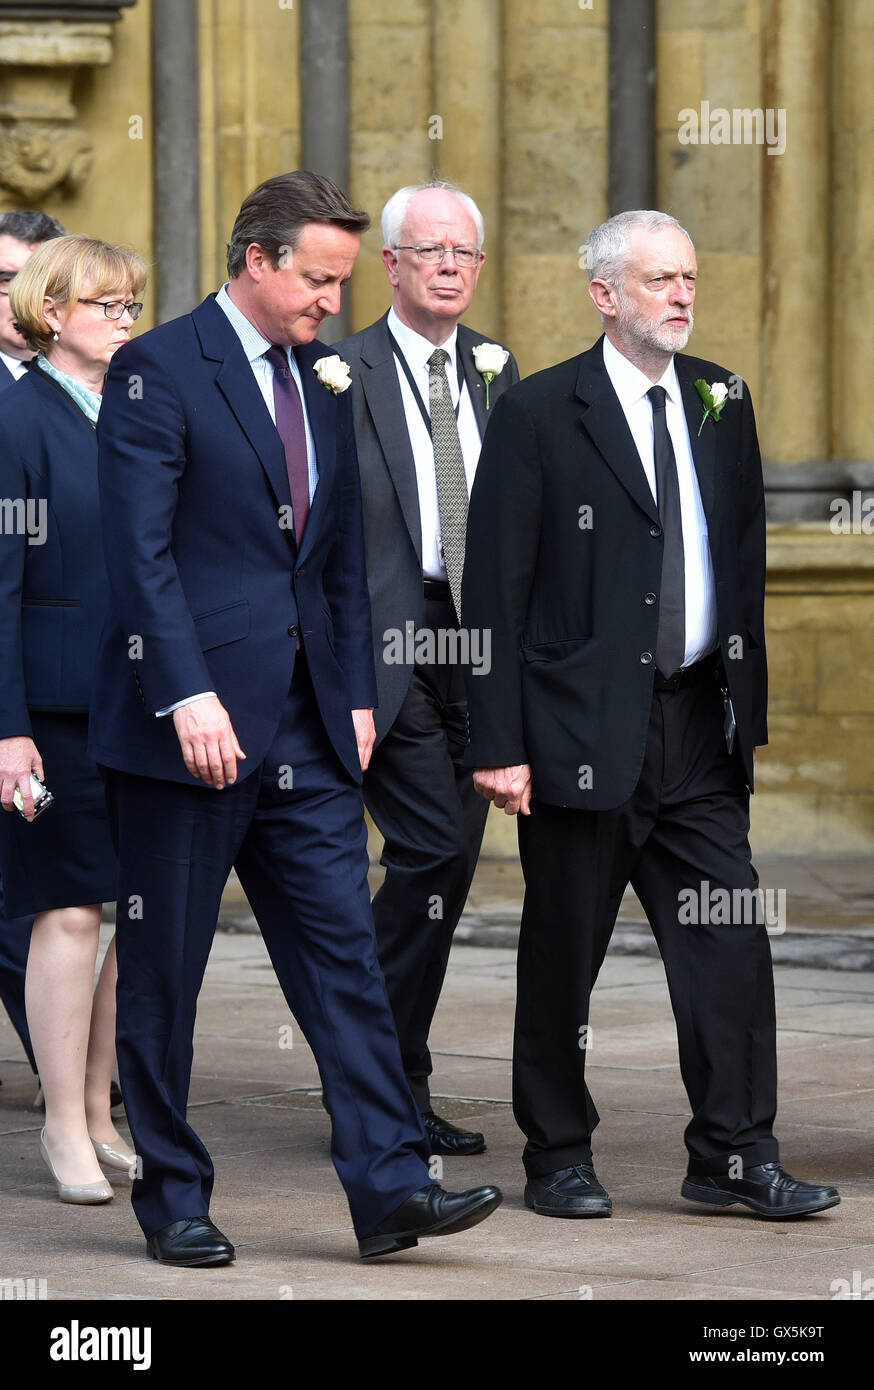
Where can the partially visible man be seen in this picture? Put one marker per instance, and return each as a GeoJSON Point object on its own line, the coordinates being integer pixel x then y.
{"type": "Point", "coordinates": [616, 548]}
{"type": "Point", "coordinates": [21, 233]}
{"type": "Point", "coordinates": [421, 403]}
{"type": "Point", "coordinates": [233, 716]}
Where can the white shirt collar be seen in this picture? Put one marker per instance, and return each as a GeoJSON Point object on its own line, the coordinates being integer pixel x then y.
{"type": "Point", "coordinates": [15, 365]}
{"type": "Point", "coordinates": [254, 343]}
{"type": "Point", "coordinates": [629, 382]}
{"type": "Point", "coordinates": [415, 348]}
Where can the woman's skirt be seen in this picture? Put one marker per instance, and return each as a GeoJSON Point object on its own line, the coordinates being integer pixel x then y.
{"type": "Point", "coordinates": [64, 858]}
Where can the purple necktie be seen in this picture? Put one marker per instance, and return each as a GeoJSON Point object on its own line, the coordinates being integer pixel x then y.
{"type": "Point", "coordinates": [292, 432]}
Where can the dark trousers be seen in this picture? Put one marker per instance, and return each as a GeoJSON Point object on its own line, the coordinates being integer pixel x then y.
{"type": "Point", "coordinates": [679, 838]}
{"type": "Point", "coordinates": [423, 801]}
{"type": "Point", "coordinates": [14, 948]}
{"type": "Point", "coordinates": [295, 831]}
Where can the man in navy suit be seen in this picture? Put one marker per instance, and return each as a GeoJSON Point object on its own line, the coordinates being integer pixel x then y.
{"type": "Point", "coordinates": [233, 715]}
{"type": "Point", "coordinates": [20, 235]}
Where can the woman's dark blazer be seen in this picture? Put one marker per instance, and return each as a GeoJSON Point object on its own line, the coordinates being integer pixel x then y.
{"type": "Point", "coordinates": [53, 587]}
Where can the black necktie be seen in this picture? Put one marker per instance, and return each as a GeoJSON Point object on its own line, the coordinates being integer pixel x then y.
{"type": "Point", "coordinates": [671, 637]}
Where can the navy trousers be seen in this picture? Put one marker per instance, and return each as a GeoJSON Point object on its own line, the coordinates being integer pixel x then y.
{"type": "Point", "coordinates": [14, 948]}
{"type": "Point", "coordinates": [294, 830]}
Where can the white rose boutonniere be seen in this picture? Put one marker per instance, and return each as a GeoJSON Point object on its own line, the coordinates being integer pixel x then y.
{"type": "Point", "coordinates": [334, 373]}
{"type": "Point", "coordinates": [489, 360]}
{"type": "Point", "coordinates": [714, 398]}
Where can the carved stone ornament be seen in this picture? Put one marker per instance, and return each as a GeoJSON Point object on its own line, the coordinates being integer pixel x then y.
{"type": "Point", "coordinates": [41, 48]}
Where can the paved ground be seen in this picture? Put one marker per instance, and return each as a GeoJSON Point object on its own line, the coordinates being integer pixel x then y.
{"type": "Point", "coordinates": [255, 1103]}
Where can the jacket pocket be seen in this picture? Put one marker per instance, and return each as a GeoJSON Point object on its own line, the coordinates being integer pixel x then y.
{"type": "Point", "coordinates": [552, 651]}
{"type": "Point", "coordinates": [223, 625]}
{"type": "Point", "coordinates": [51, 603]}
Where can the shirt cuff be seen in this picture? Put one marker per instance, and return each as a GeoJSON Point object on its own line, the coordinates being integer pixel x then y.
{"type": "Point", "coordinates": [159, 713]}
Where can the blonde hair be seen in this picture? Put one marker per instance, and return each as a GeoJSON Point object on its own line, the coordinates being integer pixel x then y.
{"type": "Point", "coordinates": [58, 271]}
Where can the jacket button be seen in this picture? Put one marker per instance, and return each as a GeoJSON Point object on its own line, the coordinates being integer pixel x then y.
{"type": "Point", "coordinates": [293, 631]}
{"type": "Point", "coordinates": [649, 598]}
{"type": "Point", "coordinates": [645, 658]}
{"type": "Point", "coordinates": [655, 531]}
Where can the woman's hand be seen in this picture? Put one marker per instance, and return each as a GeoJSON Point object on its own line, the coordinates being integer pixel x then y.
{"type": "Point", "coordinates": [19, 757]}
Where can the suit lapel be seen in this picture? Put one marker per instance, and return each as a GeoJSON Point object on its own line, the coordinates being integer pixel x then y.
{"type": "Point", "coordinates": [475, 384]}
{"type": "Point", "coordinates": [237, 383]}
{"type": "Point", "coordinates": [382, 392]}
{"type": "Point", "coordinates": [605, 423]}
{"type": "Point", "coordinates": [321, 408]}
{"type": "Point", "coordinates": [703, 445]}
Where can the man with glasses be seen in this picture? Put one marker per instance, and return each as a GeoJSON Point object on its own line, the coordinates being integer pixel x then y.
{"type": "Point", "coordinates": [421, 406]}
{"type": "Point", "coordinates": [21, 233]}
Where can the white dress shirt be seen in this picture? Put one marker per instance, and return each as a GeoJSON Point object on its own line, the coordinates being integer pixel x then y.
{"type": "Point", "coordinates": [15, 365]}
{"type": "Point", "coordinates": [631, 387]}
{"type": "Point", "coordinates": [416, 351]}
{"type": "Point", "coordinates": [255, 345]}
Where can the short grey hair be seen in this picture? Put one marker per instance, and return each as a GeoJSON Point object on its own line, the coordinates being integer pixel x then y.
{"type": "Point", "coordinates": [607, 249]}
{"type": "Point", "coordinates": [394, 213]}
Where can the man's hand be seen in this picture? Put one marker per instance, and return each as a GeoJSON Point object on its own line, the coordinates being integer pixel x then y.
{"type": "Point", "coordinates": [508, 787]}
{"type": "Point", "coordinates": [19, 757]}
{"type": "Point", "coordinates": [365, 735]}
{"type": "Point", "coordinates": [208, 742]}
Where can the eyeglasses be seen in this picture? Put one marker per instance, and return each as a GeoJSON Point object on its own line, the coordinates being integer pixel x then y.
{"type": "Point", "coordinates": [116, 308]}
{"type": "Point", "coordinates": [431, 254]}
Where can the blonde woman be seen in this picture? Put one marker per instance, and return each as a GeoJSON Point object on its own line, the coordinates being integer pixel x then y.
{"type": "Point", "coordinates": [75, 302]}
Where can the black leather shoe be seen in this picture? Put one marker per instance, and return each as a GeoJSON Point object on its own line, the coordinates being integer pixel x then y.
{"type": "Point", "coordinates": [430, 1212]}
{"type": "Point", "coordinates": [767, 1189]}
{"type": "Point", "coordinates": [571, 1191]}
{"type": "Point", "coordinates": [445, 1138]}
{"type": "Point", "coordinates": [195, 1241]}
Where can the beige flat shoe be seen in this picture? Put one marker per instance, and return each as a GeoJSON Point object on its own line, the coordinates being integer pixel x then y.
{"type": "Point", "coordinates": [116, 1155]}
{"type": "Point", "coordinates": [81, 1194]}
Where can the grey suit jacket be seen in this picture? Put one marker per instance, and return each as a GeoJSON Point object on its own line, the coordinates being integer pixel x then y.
{"type": "Point", "coordinates": [392, 525]}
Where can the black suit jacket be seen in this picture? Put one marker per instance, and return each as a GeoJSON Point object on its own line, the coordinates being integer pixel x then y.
{"type": "Point", "coordinates": [392, 525]}
{"type": "Point", "coordinates": [563, 590]}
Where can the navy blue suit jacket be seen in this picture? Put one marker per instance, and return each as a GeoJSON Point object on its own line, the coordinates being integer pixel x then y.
{"type": "Point", "coordinates": [206, 582]}
{"type": "Point", "coordinates": [53, 581]}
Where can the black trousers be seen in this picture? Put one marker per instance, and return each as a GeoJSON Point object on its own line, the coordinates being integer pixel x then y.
{"type": "Point", "coordinates": [423, 801]}
{"type": "Point", "coordinates": [681, 837]}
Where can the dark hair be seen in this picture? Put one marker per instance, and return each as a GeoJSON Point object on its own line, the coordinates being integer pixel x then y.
{"type": "Point", "coordinates": [32, 228]}
{"type": "Point", "coordinates": [275, 213]}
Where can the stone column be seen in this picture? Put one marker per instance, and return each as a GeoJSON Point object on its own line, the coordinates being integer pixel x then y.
{"type": "Point", "coordinates": [324, 90]}
{"type": "Point", "coordinates": [391, 103]}
{"type": "Point", "coordinates": [554, 175]}
{"type": "Point", "coordinates": [846, 281]}
{"type": "Point", "coordinates": [632, 104]}
{"type": "Point", "coordinates": [793, 406]}
{"type": "Point", "coordinates": [176, 162]}
{"type": "Point", "coordinates": [466, 65]}
{"type": "Point", "coordinates": [249, 110]}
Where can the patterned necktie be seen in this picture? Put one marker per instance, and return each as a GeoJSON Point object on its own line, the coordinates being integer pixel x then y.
{"type": "Point", "coordinates": [671, 636]}
{"type": "Point", "coordinates": [449, 467]}
{"type": "Point", "coordinates": [292, 432]}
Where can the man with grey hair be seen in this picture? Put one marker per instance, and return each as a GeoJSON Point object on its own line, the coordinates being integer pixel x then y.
{"type": "Point", "coordinates": [616, 549]}
{"type": "Point", "coordinates": [423, 386]}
